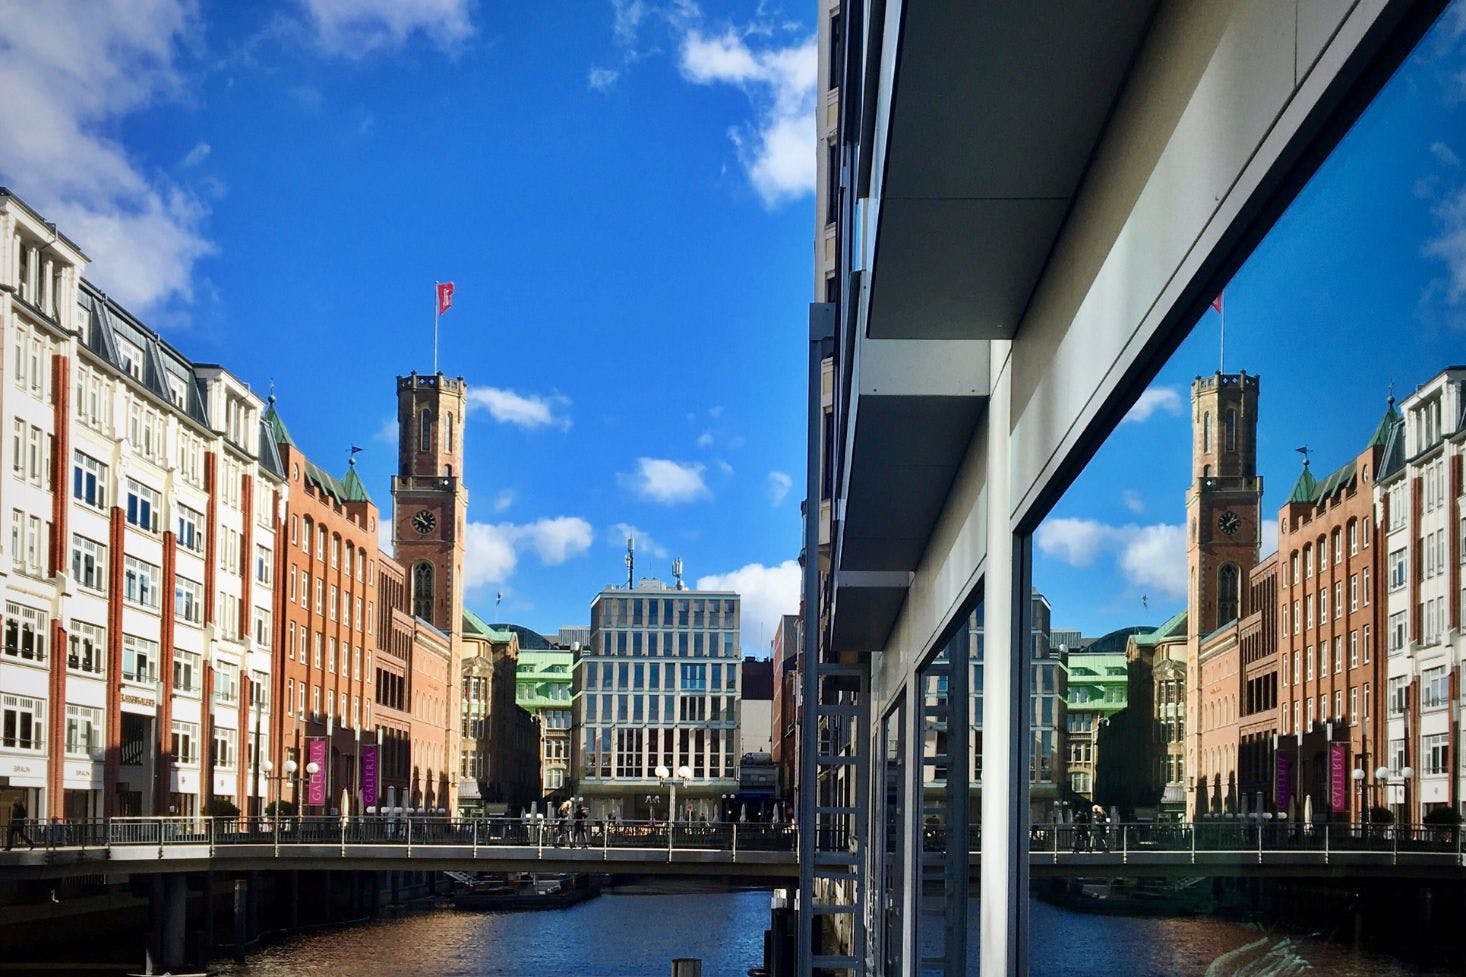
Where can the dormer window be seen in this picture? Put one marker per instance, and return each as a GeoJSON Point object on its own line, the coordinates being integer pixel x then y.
{"type": "Point", "coordinates": [130, 357]}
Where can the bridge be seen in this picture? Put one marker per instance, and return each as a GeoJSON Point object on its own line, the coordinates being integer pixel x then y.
{"type": "Point", "coordinates": [753, 851]}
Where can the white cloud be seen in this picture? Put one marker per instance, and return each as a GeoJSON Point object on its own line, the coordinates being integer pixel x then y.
{"type": "Point", "coordinates": [645, 545]}
{"type": "Point", "coordinates": [778, 486]}
{"type": "Point", "coordinates": [1132, 501]}
{"type": "Point", "coordinates": [768, 592]}
{"type": "Point", "coordinates": [1151, 557]}
{"type": "Point", "coordinates": [777, 147]}
{"type": "Point", "coordinates": [493, 548]}
{"type": "Point", "coordinates": [665, 481]}
{"type": "Point", "coordinates": [602, 79]}
{"type": "Point", "coordinates": [384, 536]}
{"type": "Point", "coordinates": [1444, 153]}
{"type": "Point", "coordinates": [358, 27]}
{"type": "Point", "coordinates": [522, 410]}
{"type": "Point", "coordinates": [196, 155]}
{"type": "Point", "coordinates": [71, 73]}
{"type": "Point", "coordinates": [705, 439]}
{"type": "Point", "coordinates": [1269, 544]}
{"type": "Point", "coordinates": [1449, 245]}
{"type": "Point", "coordinates": [503, 500]}
{"type": "Point", "coordinates": [387, 433]}
{"type": "Point", "coordinates": [1165, 399]}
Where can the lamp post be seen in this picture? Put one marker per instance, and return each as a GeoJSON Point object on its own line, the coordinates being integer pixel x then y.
{"type": "Point", "coordinates": [312, 768]}
{"type": "Point", "coordinates": [664, 776]}
{"type": "Point", "coordinates": [1405, 774]}
{"type": "Point", "coordinates": [1358, 774]}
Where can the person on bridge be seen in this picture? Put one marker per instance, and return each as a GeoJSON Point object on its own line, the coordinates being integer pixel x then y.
{"type": "Point", "coordinates": [1099, 832]}
{"type": "Point", "coordinates": [582, 815]}
{"type": "Point", "coordinates": [16, 830]}
{"type": "Point", "coordinates": [1081, 831]}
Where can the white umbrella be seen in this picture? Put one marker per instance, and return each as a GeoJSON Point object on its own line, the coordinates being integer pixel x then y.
{"type": "Point", "coordinates": [1308, 809]}
{"type": "Point", "coordinates": [743, 811]}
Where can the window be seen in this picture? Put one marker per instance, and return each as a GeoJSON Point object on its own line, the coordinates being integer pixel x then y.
{"type": "Point", "coordinates": [145, 431]}
{"type": "Point", "coordinates": [1397, 569]}
{"type": "Point", "coordinates": [1365, 583]}
{"type": "Point", "coordinates": [1434, 688]}
{"type": "Point", "coordinates": [89, 564]}
{"type": "Point", "coordinates": [1353, 649]}
{"type": "Point", "coordinates": [188, 600]}
{"type": "Point", "coordinates": [1338, 546]}
{"type": "Point", "coordinates": [1397, 631]}
{"type": "Point", "coordinates": [22, 723]}
{"type": "Point", "coordinates": [1229, 429]}
{"type": "Point", "coordinates": [190, 529]}
{"type": "Point", "coordinates": [262, 628]}
{"type": "Point", "coordinates": [140, 582]}
{"type": "Point", "coordinates": [228, 608]}
{"type": "Point", "coordinates": [226, 682]}
{"type": "Point", "coordinates": [187, 678]}
{"type": "Point", "coordinates": [185, 743]}
{"type": "Point", "coordinates": [1353, 537]}
{"type": "Point", "coordinates": [264, 562]}
{"type": "Point", "coordinates": [30, 457]}
{"type": "Point", "coordinates": [1206, 431]}
{"type": "Point", "coordinates": [1354, 706]}
{"type": "Point", "coordinates": [422, 590]}
{"type": "Point", "coordinates": [89, 481]}
{"type": "Point", "coordinates": [139, 659]}
{"type": "Point", "coordinates": [1353, 592]}
{"type": "Point", "coordinates": [425, 428]}
{"type": "Point", "coordinates": [87, 648]}
{"type": "Point", "coordinates": [142, 506]}
{"type": "Point", "coordinates": [28, 541]}
{"type": "Point", "coordinates": [191, 459]}
{"type": "Point", "coordinates": [93, 399]}
{"type": "Point", "coordinates": [1435, 751]}
{"type": "Point", "coordinates": [1338, 654]}
{"type": "Point", "coordinates": [83, 731]}
{"type": "Point", "coordinates": [1227, 591]}
{"type": "Point", "coordinates": [1339, 599]}
{"type": "Point", "coordinates": [1396, 690]}
{"type": "Point", "coordinates": [26, 632]}
{"type": "Point", "coordinates": [226, 753]}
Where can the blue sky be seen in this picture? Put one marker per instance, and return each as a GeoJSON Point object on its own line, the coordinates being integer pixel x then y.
{"type": "Point", "coordinates": [1362, 282]}
{"type": "Point", "coordinates": [621, 191]}
{"type": "Point", "coordinates": [619, 188]}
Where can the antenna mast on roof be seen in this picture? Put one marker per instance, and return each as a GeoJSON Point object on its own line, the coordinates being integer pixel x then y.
{"type": "Point", "coordinates": [630, 562]}
{"type": "Point", "coordinates": [677, 572]}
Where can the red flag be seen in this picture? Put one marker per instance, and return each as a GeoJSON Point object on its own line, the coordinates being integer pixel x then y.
{"type": "Point", "coordinates": [1216, 303]}
{"type": "Point", "coordinates": [445, 297]}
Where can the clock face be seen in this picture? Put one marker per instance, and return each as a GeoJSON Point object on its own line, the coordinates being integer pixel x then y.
{"type": "Point", "coordinates": [1229, 523]}
{"type": "Point", "coordinates": [423, 521]}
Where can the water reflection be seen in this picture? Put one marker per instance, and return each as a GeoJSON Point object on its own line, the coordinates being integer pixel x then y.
{"type": "Point", "coordinates": [622, 935]}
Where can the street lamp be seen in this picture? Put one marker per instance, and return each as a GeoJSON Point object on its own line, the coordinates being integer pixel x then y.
{"type": "Point", "coordinates": [664, 776]}
{"type": "Point", "coordinates": [312, 768]}
{"type": "Point", "coordinates": [1405, 774]}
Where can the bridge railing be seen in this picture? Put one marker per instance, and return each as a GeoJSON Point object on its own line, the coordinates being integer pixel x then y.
{"type": "Point", "coordinates": [1214, 837]}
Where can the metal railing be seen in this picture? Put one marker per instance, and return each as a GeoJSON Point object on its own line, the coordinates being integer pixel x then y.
{"type": "Point", "coordinates": [1242, 838]}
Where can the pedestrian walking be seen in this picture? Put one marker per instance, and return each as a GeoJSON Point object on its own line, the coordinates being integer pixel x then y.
{"type": "Point", "coordinates": [18, 815]}
{"type": "Point", "coordinates": [1098, 832]}
{"type": "Point", "coordinates": [582, 814]}
{"type": "Point", "coordinates": [1081, 831]}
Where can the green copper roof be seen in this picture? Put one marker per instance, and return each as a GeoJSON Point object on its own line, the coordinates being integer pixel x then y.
{"type": "Point", "coordinates": [353, 488]}
{"type": "Point", "coordinates": [1337, 481]}
{"type": "Point", "coordinates": [1305, 489]}
{"type": "Point", "coordinates": [322, 479]}
{"type": "Point", "coordinates": [474, 624]}
{"type": "Point", "coordinates": [277, 426]}
{"type": "Point", "coordinates": [1386, 425]}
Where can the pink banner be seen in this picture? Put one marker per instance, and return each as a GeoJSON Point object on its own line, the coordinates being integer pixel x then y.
{"type": "Point", "coordinates": [1338, 777]}
{"type": "Point", "coordinates": [1283, 796]}
{"type": "Point", "coordinates": [369, 775]}
{"type": "Point", "coordinates": [316, 788]}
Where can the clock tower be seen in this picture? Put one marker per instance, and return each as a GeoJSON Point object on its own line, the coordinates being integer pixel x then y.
{"type": "Point", "coordinates": [429, 501]}
{"type": "Point", "coordinates": [1224, 502]}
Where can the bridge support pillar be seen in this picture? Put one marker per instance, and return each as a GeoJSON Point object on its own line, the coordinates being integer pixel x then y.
{"type": "Point", "coordinates": [174, 907]}
{"type": "Point", "coordinates": [207, 887]}
{"type": "Point", "coordinates": [252, 906]}
{"type": "Point", "coordinates": [396, 890]}
{"type": "Point", "coordinates": [293, 899]}
{"type": "Point", "coordinates": [241, 918]}
{"type": "Point", "coordinates": [153, 948]}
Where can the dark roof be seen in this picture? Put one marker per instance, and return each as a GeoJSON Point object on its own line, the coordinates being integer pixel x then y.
{"type": "Point", "coordinates": [1114, 643]}
{"type": "Point", "coordinates": [1386, 426]}
{"type": "Point", "coordinates": [529, 639]}
{"type": "Point", "coordinates": [276, 425]}
{"type": "Point", "coordinates": [758, 678]}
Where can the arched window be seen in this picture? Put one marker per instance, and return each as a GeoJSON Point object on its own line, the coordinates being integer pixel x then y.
{"type": "Point", "coordinates": [1206, 471]}
{"type": "Point", "coordinates": [1229, 428]}
{"type": "Point", "coordinates": [422, 590]}
{"type": "Point", "coordinates": [425, 431]}
{"type": "Point", "coordinates": [1227, 591]}
{"type": "Point", "coordinates": [1206, 431]}
{"type": "Point", "coordinates": [309, 529]}
{"type": "Point", "coordinates": [450, 432]}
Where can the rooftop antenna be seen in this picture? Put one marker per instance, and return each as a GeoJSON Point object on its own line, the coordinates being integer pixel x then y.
{"type": "Point", "coordinates": [630, 562]}
{"type": "Point", "coordinates": [677, 572]}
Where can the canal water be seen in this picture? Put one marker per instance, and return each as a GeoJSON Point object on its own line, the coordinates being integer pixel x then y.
{"type": "Point", "coordinates": [624, 935]}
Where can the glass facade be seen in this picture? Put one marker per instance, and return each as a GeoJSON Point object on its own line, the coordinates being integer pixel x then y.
{"type": "Point", "coordinates": [657, 685]}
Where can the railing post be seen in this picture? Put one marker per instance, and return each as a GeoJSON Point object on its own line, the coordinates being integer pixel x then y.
{"type": "Point", "coordinates": [1124, 844]}
{"type": "Point", "coordinates": [1259, 842]}
{"type": "Point", "coordinates": [735, 841]}
{"type": "Point", "coordinates": [671, 830]}
{"type": "Point", "coordinates": [158, 823]}
{"type": "Point", "coordinates": [275, 827]}
{"type": "Point", "coordinates": [1325, 842]}
{"type": "Point", "coordinates": [539, 840]}
{"type": "Point", "coordinates": [343, 837]}
{"type": "Point", "coordinates": [605, 840]}
{"type": "Point", "coordinates": [1191, 830]}
{"type": "Point", "coordinates": [408, 819]}
{"type": "Point", "coordinates": [475, 839]}
{"type": "Point", "coordinates": [1395, 857]}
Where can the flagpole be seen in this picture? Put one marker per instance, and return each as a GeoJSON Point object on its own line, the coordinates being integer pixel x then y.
{"type": "Point", "coordinates": [436, 305]}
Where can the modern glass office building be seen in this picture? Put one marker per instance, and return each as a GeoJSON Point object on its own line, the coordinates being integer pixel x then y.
{"type": "Point", "coordinates": [657, 685]}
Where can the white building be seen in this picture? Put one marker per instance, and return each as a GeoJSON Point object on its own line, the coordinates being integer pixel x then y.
{"type": "Point", "coordinates": [142, 504]}
{"type": "Point", "coordinates": [1418, 498]}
